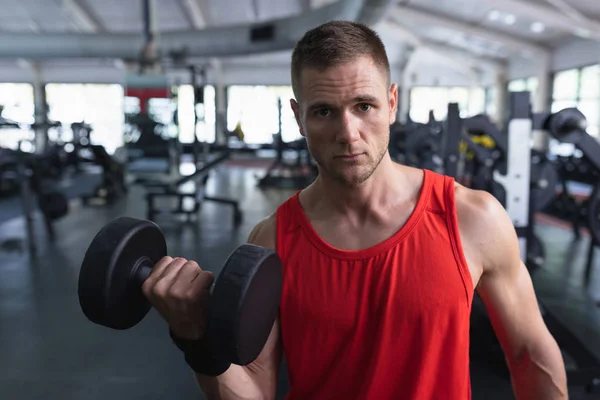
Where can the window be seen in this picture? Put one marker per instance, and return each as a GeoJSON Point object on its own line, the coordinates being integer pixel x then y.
{"type": "Point", "coordinates": [590, 82]}
{"type": "Point", "coordinates": [131, 105]}
{"type": "Point", "coordinates": [205, 127]}
{"type": "Point", "coordinates": [532, 85]}
{"type": "Point", "coordinates": [101, 106]}
{"type": "Point", "coordinates": [425, 99]}
{"type": "Point", "coordinates": [591, 109]}
{"type": "Point", "coordinates": [476, 101]}
{"type": "Point", "coordinates": [491, 95]}
{"type": "Point", "coordinates": [161, 110]}
{"type": "Point", "coordinates": [289, 126]}
{"type": "Point", "coordinates": [566, 85]}
{"type": "Point", "coordinates": [589, 97]}
{"type": "Point", "coordinates": [579, 88]}
{"type": "Point", "coordinates": [558, 105]}
{"type": "Point", "coordinates": [255, 108]}
{"type": "Point", "coordinates": [519, 85]}
{"type": "Point", "coordinates": [17, 102]}
{"type": "Point", "coordinates": [524, 85]}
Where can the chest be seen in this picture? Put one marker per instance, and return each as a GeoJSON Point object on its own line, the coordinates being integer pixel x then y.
{"type": "Point", "coordinates": [358, 236]}
{"type": "Point", "coordinates": [400, 288]}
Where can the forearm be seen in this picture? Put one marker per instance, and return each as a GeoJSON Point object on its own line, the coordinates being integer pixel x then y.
{"type": "Point", "coordinates": [236, 383]}
{"type": "Point", "coordinates": [539, 373]}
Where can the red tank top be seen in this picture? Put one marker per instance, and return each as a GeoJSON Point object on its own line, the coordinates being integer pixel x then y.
{"type": "Point", "coordinates": [387, 322]}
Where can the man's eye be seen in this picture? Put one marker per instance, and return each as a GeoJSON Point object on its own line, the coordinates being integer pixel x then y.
{"type": "Point", "coordinates": [323, 112]}
{"type": "Point", "coordinates": [365, 107]}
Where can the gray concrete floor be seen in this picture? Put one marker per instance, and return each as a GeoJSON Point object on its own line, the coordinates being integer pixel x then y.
{"type": "Point", "coordinates": [49, 350]}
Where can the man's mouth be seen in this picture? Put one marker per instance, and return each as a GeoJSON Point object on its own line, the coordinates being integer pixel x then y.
{"type": "Point", "coordinates": [351, 156]}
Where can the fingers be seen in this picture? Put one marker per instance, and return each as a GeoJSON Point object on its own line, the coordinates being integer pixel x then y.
{"type": "Point", "coordinates": [190, 282]}
{"type": "Point", "coordinates": [163, 276]}
{"type": "Point", "coordinates": [165, 266]}
{"type": "Point", "coordinates": [157, 270]}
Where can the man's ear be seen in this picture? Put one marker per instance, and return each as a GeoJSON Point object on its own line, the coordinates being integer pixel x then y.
{"type": "Point", "coordinates": [393, 99]}
{"type": "Point", "coordinates": [296, 108]}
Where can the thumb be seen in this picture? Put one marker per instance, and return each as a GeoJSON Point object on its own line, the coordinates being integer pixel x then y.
{"type": "Point", "coordinates": [203, 282]}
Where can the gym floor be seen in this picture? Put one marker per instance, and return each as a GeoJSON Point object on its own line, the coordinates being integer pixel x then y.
{"type": "Point", "coordinates": [50, 351]}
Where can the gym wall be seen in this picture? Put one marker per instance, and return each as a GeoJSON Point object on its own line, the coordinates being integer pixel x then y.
{"type": "Point", "coordinates": [575, 53]}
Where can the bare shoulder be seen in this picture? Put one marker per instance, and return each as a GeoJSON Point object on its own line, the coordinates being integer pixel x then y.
{"type": "Point", "coordinates": [265, 232]}
{"type": "Point", "coordinates": [486, 230]}
{"type": "Point", "coordinates": [474, 205]}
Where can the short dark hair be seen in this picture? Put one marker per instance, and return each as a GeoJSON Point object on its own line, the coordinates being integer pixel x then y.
{"type": "Point", "coordinates": [335, 43]}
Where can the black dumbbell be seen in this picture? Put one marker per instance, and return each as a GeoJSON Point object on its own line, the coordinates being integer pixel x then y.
{"type": "Point", "coordinates": [567, 125]}
{"type": "Point", "coordinates": [244, 299]}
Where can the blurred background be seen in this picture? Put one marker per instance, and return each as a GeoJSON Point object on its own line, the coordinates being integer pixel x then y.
{"type": "Point", "coordinates": [178, 112]}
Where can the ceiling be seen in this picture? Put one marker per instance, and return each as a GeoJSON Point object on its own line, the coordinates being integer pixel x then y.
{"type": "Point", "coordinates": [495, 29]}
{"type": "Point", "coordinates": [486, 14]}
{"type": "Point", "coordinates": [591, 8]}
{"type": "Point", "coordinates": [126, 15]}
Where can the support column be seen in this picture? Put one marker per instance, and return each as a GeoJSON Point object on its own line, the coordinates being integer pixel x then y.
{"type": "Point", "coordinates": [475, 78]}
{"type": "Point", "coordinates": [501, 100]}
{"type": "Point", "coordinates": [151, 38]}
{"type": "Point", "coordinates": [540, 99]}
{"type": "Point", "coordinates": [220, 103]}
{"type": "Point", "coordinates": [396, 77]}
{"type": "Point", "coordinates": [407, 82]}
{"type": "Point", "coordinates": [40, 109]}
{"type": "Point", "coordinates": [598, 110]}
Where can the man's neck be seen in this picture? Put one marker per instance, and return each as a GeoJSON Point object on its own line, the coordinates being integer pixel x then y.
{"type": "Point", "coordinates": [378, 191]}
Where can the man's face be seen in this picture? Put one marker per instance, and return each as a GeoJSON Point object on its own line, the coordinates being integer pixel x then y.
{"type": "Point", "coordinates": [345, 113]}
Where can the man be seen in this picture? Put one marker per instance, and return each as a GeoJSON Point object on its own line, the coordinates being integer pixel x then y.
{"type": "Point", "coordinates": [380, 260]}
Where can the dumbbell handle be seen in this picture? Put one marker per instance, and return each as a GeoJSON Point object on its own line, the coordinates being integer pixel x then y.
{"type": "Point", "coordinates": [142, 270]}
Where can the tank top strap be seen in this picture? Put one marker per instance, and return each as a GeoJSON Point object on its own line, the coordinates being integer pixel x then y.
{"type": "Point", "coordinates": [446, 196]}
{"type": "Point", "coordinates": [439, 186]}
{"type": "Point", "coordinates": [286, 222]}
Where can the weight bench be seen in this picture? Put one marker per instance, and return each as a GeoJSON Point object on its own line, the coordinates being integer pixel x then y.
{"type": "Point", "coordinates": [164, 189]}
{"type": "Point", "coordinates": [113, 177]}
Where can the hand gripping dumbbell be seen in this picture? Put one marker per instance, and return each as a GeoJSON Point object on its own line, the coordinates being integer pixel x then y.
{"type": "Point", "coordinates": [244, 300]}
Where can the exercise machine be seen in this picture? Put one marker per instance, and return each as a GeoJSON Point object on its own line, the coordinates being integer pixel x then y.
{"type": "Point", "coordinates": [568, 206]}
{"type": "Point", "coordinates": [569, 126]}
{"type": "Point", "coordinates": [36, 192]}
{"type": "Point", "coordinates": [418, 145]}
{"type": "Point", "coordinates": [148, 145]}
{"type": "Point", "coordinates": [176, 189]}
{"type": "Point", "coordinates": [8, 176]}
{"type": "Point", "coordinates": [291, 175]}
{"type": "Point", "coordinates": [522, 181]}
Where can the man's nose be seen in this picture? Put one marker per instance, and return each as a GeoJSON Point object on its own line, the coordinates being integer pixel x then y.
{"type": "Point", "coordinates": [348, 128]}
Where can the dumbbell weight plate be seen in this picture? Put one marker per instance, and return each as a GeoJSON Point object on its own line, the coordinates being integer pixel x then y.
{"type": "Point", "coordinates": [245, 303]}
{"type": "Point", "coordinates": [544, 179]}
{"type": "Point", "coordinates": [568, 125]}
{"type": "Point", "coordinates": [106, 283]}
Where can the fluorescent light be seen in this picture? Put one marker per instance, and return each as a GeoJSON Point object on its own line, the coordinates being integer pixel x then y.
{"type": "Point", "coordinates": [119, 64]}
{"type": "Point", "coordinates": [584, 33]}
{"type": "Point", "coordinates": [494, 15]}
{"type": "Point", "coordinates": [510, 19]}
{"type": "Point", "coordinates": [33, 26]}
{"type": "Point", "coordinates": [538, 27]}
{"type": "Point", "coordinates": [23, 63]}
